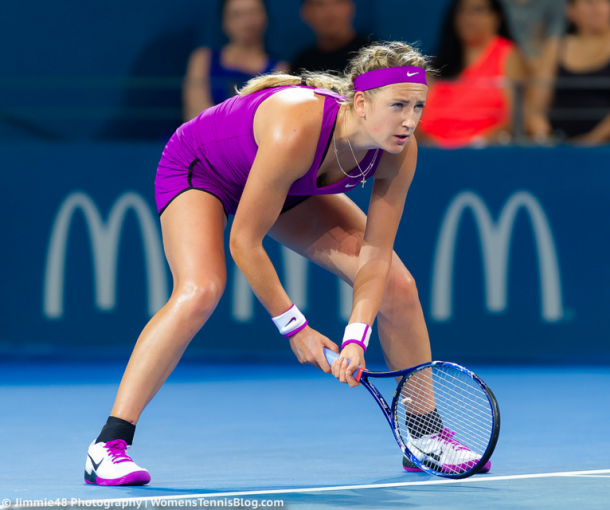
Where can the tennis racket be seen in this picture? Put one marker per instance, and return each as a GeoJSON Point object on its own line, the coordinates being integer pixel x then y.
{"type": "Point", "coordinates": [444, 417]}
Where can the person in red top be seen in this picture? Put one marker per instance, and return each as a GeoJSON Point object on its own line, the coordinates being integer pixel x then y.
{"type": "Point", "coordinates": [472, 101]}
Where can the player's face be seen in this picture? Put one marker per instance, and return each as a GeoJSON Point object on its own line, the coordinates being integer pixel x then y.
{"type": "Point", "coordinates": [590, 16]}
{"type": "Point", "coordinates": [244, 20]}
{"type": "Point", "coordinates": [393, 115]}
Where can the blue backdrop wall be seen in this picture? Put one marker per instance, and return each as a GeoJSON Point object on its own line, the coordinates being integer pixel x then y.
{"type": "Point", "coordinates": [509, 248]}
{"type": "Point", "coordinates": [81, 70]}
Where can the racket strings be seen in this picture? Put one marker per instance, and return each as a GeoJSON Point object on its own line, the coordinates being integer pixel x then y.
{"type": "Point", "coordinates": [465, 412]}
{"type": "Point", "coordinates": [469, 401]}
{"type": "Point", "coordinates": [471, 417]}
{"type": "Point", "coordinates": [449, 410]}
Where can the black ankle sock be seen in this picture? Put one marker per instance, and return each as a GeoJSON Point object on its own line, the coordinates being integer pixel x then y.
{"type": "Point", "coordinates": [424, 424]}
{"type": "Point", "coordinates": [117, 428]}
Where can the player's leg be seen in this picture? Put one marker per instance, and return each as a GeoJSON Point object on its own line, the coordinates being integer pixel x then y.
{"type": "Point", "coordinates": [192, 228]}
{"type": "Point", "coordinates": [329, 230]}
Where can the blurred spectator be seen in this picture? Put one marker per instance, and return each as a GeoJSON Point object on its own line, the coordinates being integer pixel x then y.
{"type": "Point", "coordinates": [582, 102]}
{"type": "Point", "coordinates": [537, 26]}
{"type": "Point", "coordinates": [471, 103]}
{"type": "Point", "coordinates": [337, 40]}
{"type": "Point", "coordinates": [212, 75]}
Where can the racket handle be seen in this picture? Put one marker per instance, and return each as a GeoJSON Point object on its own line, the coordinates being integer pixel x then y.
{"type": "Point", "coordinates": [332, 356]}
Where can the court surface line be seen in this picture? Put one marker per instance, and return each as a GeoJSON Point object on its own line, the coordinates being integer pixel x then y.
{"type": "Point", "coordinates": [350, 487]}
{"type": "Point", "coordinates": [592, 476]}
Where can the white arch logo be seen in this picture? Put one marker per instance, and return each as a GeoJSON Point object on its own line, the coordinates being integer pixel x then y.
{"type": "Point", "coordinates": [495, 246]}
{"type": "Point", "coordinates": [104, 238]}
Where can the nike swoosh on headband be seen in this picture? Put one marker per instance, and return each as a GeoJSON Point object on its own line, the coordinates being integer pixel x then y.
{"type": "Point", "coordinates": [388, 76]}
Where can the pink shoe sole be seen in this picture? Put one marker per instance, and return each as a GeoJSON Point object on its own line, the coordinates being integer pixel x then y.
{"type": "Point", "coordinates": [135, 478]}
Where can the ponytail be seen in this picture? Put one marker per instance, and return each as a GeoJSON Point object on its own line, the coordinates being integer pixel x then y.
{"type": "Point", "coordinates": [317, 80]}
{"type": "Point", "coordinates": [370, 58]}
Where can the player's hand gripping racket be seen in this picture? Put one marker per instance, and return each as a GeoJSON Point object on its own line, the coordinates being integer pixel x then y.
{"type": "Point", "coordinates": [444, 418]}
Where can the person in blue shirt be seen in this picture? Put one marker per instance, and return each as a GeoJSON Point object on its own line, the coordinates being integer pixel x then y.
{"type": "Point", "coordinates": [213, 74]}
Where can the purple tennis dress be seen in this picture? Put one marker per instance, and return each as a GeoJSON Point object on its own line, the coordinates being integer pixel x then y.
{"type": "Point", "coordinates": [214, 152]}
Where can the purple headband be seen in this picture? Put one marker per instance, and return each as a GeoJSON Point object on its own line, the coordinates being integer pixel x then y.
{"type": "Point", "coordinates": [389, 76]}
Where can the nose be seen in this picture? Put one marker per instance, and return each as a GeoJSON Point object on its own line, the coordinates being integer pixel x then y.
{"type": "Point", "coordinates": [410, 120]}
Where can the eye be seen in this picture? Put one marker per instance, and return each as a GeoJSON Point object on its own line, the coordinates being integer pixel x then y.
{"type": "Point", "coordinates": [420, 106]}
{"type": "Point", "coordinates": [398, 106]}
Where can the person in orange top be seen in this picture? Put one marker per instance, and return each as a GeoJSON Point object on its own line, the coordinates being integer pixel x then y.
{"type": "Point", "coordinates": [472, 101]}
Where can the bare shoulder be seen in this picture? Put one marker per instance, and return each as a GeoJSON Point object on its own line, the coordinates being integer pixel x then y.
{"type": "Point", "coordinates": [515, 67]}
{"type": "Point", "coordinates": [201, 54]}
{"type": "Point", "coordinates": [292, 116]}
{"type": "Point", "coordinates": [199, 61]}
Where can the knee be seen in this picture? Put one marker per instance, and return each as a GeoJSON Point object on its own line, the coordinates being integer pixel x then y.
{"type": "Point", "coordinates": [197, 300]}
{"type": "Point", "coordinates": [401, 289]}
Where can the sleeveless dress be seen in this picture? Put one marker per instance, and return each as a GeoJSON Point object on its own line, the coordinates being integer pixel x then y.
{"type": "Point", "coordinates": [223, 80]}
{"type": "Point", "coordinates": [214, 152]}
{"type": "Point", "coordinates": [578, 96]}
{"type": "Point", "coordinates": [458, 111]}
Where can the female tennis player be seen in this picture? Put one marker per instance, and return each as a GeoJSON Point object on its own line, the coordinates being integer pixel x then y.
{"type": "Point", "coordinates": [280, 156]}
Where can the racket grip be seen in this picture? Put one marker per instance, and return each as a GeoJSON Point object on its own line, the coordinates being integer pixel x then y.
{"type": "Point", "coordinates": [332, 356]}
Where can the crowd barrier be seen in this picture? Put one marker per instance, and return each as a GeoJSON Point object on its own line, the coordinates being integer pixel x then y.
{"type": "Point", "coordinates": [509, 248]}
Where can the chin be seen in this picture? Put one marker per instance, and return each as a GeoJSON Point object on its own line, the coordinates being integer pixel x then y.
{"type": "Point", "coordinates": [394, 148]}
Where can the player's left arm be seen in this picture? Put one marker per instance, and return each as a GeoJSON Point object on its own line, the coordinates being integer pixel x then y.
{"type": "Point", "coordinates": [392, 181]}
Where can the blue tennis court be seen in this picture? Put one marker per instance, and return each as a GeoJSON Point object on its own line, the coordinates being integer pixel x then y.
{"type": "Point", "coordinates": [289, 433]}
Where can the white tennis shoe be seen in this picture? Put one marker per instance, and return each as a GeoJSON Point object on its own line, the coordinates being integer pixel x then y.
{"type": "Point", "coordinates": [109, 464]}
{"type": "Point", "coordinates": [443, 453]}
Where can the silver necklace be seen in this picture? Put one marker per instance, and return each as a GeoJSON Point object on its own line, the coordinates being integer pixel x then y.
{"type": "Point", "coordinates": [362, 173]}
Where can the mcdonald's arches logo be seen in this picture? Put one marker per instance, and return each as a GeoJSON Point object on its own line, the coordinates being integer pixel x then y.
{"type": "Point", "coordinates": [104, 238]}
{"type": "Point", "coordinates": [496, 239]}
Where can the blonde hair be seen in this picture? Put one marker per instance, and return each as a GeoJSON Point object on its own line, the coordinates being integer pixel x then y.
{"type": "Point", "coordinates": [369, 58]}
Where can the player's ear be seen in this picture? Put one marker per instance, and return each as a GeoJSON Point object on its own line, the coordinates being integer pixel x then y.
{"type": "Point", "coordinates": [360, 104]}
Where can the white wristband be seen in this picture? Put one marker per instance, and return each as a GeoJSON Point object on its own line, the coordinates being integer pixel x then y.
{"type": "Point", "coordinates": [357, 333]}
{"type": "Point", "coordinates": [290, 322]}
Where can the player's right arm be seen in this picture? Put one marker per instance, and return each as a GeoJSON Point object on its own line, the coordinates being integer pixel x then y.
{"type": "Point", "coordinates": [286, 129]}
